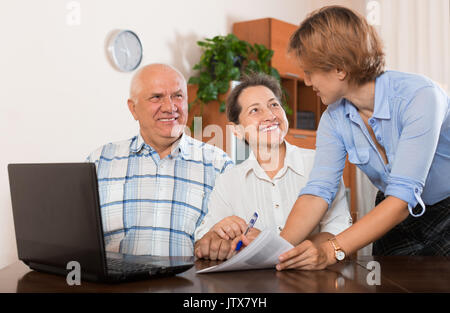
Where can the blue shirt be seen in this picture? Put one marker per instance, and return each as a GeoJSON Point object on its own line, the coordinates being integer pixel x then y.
{"type": "Point", "coordinates": [151, 206]}
{"type": "Point", "coordinates": [411, 121]}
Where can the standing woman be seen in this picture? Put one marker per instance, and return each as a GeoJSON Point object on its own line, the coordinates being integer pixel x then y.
{"type": "Point", "coordinates": [394, 126]}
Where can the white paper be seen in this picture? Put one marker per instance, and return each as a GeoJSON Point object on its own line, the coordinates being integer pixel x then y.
{"type": "Point", "coordinates": [263, 252]}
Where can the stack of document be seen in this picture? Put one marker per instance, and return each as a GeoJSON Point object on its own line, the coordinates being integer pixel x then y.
{"type": "Point", "coordinates": [263, 252]}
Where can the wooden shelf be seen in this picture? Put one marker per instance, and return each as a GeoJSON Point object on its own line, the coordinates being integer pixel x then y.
{"type": "Point", "coordinates": [301, 98]}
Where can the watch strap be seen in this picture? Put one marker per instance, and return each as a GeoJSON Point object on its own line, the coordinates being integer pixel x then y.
{"type": "Point", "coordinates": [335, 244]}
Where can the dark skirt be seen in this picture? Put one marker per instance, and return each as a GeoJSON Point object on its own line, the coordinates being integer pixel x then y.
{"type": "Point", "coordinates": [428, 234]}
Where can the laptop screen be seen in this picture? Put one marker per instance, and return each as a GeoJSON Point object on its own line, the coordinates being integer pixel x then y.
{"type": "Point", "coordinates": [56, 215]}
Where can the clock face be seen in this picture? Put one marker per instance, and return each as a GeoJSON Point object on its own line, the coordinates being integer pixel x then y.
{"type": "Point", "coordinates": [126, 50]}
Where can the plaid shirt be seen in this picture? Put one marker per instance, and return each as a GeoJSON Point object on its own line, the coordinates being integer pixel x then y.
{"type": "Point", "coordinates": [151, 206]}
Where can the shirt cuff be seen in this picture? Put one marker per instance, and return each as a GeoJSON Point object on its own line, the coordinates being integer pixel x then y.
{"type": "Point", "coordinates": [200, 231]}
{"type": "Point", "coordinates": [319, 192]}
{"type": "Point", "coordinates": [409, 193]}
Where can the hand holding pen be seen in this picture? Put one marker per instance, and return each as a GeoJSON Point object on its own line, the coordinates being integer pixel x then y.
{"type": "Point", "coordinates": [251, 223]}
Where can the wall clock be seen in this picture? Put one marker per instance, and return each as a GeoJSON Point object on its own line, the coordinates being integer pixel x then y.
{"type": "Point", "coordinates": [124, 50]}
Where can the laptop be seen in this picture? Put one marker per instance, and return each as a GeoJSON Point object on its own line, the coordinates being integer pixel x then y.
{"type": "Point", "coordinates": [57, 220]}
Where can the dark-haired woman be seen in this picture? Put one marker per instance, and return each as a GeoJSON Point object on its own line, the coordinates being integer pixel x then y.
{"type": "Point", "coordinates": [268, 182]}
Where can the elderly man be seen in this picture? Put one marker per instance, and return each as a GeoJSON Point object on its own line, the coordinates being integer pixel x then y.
{"type": "Point", "coordinates": [154, 187]}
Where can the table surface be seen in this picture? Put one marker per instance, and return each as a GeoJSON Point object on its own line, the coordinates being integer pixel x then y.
{"type": "Point", "coordinates": [399, 274]}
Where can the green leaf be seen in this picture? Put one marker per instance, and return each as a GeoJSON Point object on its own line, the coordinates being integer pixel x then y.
{"type": "Point", "coordinates": [222, 86]}
{"type": "Point", "coordinates": [275, 73]}
{"type": "Point", "coordinates": [222, 107]}
{"type": "Point", "coordinates": [287, 109]}
{"type": "Point", "coordinates": [219, 69]}
{"type": "Point", "coordinates": [194, 80]}
{"type": "Point", "coordinates": [235, 74]}
{"type": "Point", "coordinates": [205, 78]}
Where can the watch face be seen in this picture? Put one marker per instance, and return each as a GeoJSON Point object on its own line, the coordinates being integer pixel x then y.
{"type": "Point", "coordinates": [340, 255]}
{"type": "Point", "coordinates": [126, 50]}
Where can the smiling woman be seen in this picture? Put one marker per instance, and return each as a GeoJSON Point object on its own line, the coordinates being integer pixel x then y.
{"type": "Point", "coordinates": [255, 112]}
{"type": "Point", "coordinates": [262, 120]}
{"type": "Point", "coordinates": [269, 180]}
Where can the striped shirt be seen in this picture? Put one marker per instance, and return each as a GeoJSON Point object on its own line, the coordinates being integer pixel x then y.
{"type": "Point", "coordinates": [151, 206]}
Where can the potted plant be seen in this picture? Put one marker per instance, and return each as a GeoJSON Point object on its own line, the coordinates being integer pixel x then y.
{"type": "Point", "coordinates": [224, 59]}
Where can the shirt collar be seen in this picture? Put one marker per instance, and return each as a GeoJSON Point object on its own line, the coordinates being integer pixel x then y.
{"type": "Point", "coordinates": [250, 164]}
{"type": "Point", "coordinates": [349, 108]}
{"type": "Point", "coordinates": [138, 143]}
{"type": "Point", "coordinates": [181, 146]}
{"type": "Point", "coordinates": [381, 102]}
{"type": "Point", "coordinates": [291, 160]}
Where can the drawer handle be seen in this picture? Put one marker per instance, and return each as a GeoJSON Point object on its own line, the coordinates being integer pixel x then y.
{"type": "Point", "coordinates": [300, 136]}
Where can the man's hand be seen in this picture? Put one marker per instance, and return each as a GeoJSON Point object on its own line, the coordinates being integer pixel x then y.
{"type": "Point", "coordinates": [212, 247]}
{"type": "Point", "coordinates": [230, 227]}
{"type": "Point", "coordinates": [307, 256]}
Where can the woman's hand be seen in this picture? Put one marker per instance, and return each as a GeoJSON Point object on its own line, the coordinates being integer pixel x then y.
{"type": "Point", "coordinates": [307, 256]}
{"type": "Point", "coordinates": [230, 227]}
{"type": "Point", "coordinates": [246, 239]}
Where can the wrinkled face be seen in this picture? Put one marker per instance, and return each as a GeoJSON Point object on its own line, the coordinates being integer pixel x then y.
{"type": "Point", "coordinates": [329, 86]}
{"type": "Point", "coordinates": [262, 120]}
{"type": "Point", "coordinates": [159, 103]}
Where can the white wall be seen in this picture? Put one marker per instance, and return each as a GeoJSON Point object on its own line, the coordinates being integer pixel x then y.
{"type": "Point", "coordinates": [60, 98]}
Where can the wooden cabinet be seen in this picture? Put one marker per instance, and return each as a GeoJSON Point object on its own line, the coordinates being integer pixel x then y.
{"type": "Point", "coordinates": [274, 34]}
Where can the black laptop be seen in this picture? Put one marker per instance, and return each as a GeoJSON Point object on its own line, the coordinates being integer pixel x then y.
{"type": "Point", "coordinates": [57, 220]}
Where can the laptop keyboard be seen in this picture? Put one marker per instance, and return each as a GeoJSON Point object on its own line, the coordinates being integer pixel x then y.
{"type": "Point", "coordinates": [128, 267]}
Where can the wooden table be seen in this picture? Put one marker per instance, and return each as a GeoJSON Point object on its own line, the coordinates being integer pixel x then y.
{"type": "Point", "coordinates": [398, 275]}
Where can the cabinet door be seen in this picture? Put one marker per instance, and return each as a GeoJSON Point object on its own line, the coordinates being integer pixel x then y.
{"type": "Point", "coordinates": [302, 138]}
{"type": "Point", "coordinates": [275, 35]}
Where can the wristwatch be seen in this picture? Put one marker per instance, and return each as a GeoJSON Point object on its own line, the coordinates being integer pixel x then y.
{"type": "Point", "coordinates": [338, 252]}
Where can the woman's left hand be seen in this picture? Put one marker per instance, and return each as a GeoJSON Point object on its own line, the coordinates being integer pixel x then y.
{"type": "Point", "coordinates": [307, 256]}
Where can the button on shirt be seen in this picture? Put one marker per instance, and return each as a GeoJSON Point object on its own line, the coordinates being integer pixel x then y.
{"type": "Point", "coordinates": [411, 121]}
{"type": "Point", "coordinates": [151, 206]}
{"type": "Point", "coordinates": [247, 188]}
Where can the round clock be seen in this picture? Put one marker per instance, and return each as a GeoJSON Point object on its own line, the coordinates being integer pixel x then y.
{"type": "Point", "coordinates": [124, 50]}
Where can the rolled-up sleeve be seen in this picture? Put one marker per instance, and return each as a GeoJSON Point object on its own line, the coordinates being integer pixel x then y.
{"type": "Point", "coordinates": [329, 161]}
{"type": "Point", "coordinates": [421, 121]}
{"type": "Point", "coordinates": [338, 218]}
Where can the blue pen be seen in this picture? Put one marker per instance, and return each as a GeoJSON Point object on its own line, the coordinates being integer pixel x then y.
{"type": "Point", "coordinates": [250, 226]}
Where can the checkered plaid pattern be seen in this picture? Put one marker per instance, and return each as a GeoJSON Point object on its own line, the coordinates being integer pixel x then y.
{"type": "Point", "coordinates": [428, 234]}
{"type": "Point", "coordinates": [151, 206]}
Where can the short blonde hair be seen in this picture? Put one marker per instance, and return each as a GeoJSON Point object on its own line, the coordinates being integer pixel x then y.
{"type": "Point", "coordinates": [335, 37]}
